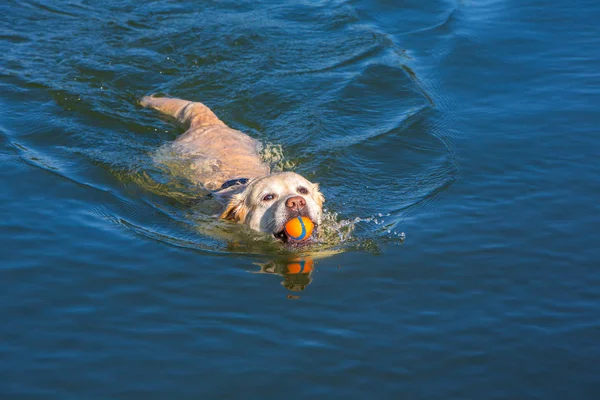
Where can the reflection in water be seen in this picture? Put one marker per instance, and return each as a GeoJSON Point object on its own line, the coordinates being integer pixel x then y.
{"type": "Point", "coordinates": [296, 271]}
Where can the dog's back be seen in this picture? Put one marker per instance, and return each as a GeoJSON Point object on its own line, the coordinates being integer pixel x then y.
{"type": "Point", "coordinates": [217, 152]}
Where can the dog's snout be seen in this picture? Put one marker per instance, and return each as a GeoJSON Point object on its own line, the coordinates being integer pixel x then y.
{"type": "Point", "coordinates": [295, 202]}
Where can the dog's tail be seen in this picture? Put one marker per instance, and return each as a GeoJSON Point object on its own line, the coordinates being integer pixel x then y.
{"type": "Point", "coordinates": [190, 114]}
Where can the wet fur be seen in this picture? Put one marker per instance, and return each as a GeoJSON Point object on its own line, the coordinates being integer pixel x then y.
{"type": "Point", "coordinates": [248, 207]}
{"type": "Point", "coordinates": [219, 153]}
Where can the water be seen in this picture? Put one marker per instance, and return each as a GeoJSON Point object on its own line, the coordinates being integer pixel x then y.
{"type": "Point", "coordinates": [455, 142]}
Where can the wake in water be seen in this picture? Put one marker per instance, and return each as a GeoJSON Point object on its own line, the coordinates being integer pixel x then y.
{"type": "Point", "coordinates": [169, 178]}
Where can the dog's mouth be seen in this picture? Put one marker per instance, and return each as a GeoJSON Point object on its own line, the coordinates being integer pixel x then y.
{"type": "Point", "coordinates": [286, 239]}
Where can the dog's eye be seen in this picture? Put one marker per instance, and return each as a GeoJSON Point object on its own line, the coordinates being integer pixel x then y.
{"type": "Point", "coordinates": [302, 190]}
{"type": "Point", "coordinates": [269, 197]}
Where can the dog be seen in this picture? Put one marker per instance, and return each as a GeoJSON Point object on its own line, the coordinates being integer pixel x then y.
{"type": "Point", "coordinates": [228, 164]}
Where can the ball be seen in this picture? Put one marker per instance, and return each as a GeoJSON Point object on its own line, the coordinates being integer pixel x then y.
{"type": "Point", "coordinates": [299, 228]}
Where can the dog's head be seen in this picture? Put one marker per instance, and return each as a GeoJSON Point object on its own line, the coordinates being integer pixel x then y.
{"type": "Point", "coordinates": [267, 203]}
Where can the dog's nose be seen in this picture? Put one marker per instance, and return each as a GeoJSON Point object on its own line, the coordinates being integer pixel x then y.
{"type": "Point", "coordinates": [295, 202]}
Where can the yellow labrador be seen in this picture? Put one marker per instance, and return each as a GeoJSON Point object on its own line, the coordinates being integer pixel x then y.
{"type": "Point", "coordinates": [227, 162]}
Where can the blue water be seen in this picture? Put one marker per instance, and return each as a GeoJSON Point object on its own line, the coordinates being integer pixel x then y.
{"type": "Point", "coordinates": [456, 143]}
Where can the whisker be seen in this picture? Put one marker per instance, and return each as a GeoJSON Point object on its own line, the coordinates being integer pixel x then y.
{"type": "Point", "coordinates": [270, 224]}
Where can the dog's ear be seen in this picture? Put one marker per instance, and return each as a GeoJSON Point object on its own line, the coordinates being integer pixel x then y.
{"type": "Point", "coordinates": [318, 196]}
{"type": "Point", "coordinates": [236, 209]}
